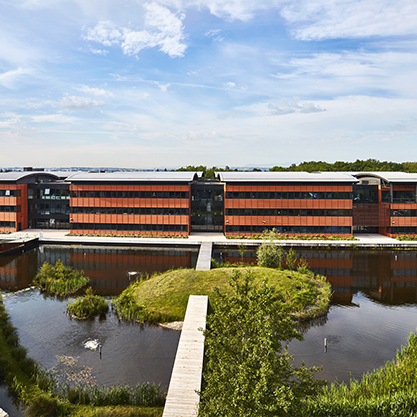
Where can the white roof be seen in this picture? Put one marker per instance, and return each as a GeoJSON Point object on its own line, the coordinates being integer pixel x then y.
{"type": "Point", "coordinates": [148, 176]}
{"type": "Point", "coordinates": [389, 176]}
{"type": "Point", "coordinates": [296, 176]}
{"type": "Point", "coordinates": [18, 175]}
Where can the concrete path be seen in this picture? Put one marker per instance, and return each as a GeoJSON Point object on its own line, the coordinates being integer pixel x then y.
{"type": "Point", "coordinates": [195, 239]}
{"type": "Point", "coordinates": [182, 399]}
{"type": "Point", "coordinates": [204, 257]}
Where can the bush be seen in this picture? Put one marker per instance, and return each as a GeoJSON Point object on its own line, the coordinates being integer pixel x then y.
{"type": "Point", "coordinates": [88, 306]}
{"type": "Point", "coordinates": [60, 279]}
{"type": "Point", "coordinates": [42, 406]}
{"type": "Point", "coordinates": [269, 254]}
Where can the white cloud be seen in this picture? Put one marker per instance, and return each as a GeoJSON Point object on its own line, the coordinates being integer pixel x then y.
{"type": "Point", "coordinates": [348, 73]}
{"type": "Point", "coordinates": [318, 19]}
{"type": "Point", "coordinates": [97, 92]}
{"type": "Point", "coordinates": [163, 87]}
{"type": "Point", "coordinates": [53, 118]}
{"type": "Point", "coordinates": [163, 29]}
{"type": "Point", "coordinates": [293, 106]}
{"type": "Point", "coordinates": [214, 34]}
{"type": "Point", "coordinates": [9, 78]}
{"type": "Point", "coordinates": [77, 103]}
{"type": "Point", "coordinates": [11, 120]}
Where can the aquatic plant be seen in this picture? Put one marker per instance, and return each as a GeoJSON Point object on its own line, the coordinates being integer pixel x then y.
{"type": "Point", "coordinates": [60, 279]}
{"type": "Point", "coordinates": [144, 395]}
{"type": "Point", "coordinates": [88, 306]}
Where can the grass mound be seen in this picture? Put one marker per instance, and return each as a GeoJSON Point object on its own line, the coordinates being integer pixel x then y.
{"type": "Point", "coordinates": [164, 297]}
{"type": "Point", "coordinates": [60, 279]}
{"type": "Point", "coordinates": [88, 306]}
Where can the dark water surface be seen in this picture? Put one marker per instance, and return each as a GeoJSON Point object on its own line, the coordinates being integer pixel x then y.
{"type": "Point", "coordinates": [131, 353]}
{"type": "Point", "coordinates": [374, 310]}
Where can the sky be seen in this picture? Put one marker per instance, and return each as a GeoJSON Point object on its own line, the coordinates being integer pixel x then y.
{"type": "Point", "coordinates": [171, 83]}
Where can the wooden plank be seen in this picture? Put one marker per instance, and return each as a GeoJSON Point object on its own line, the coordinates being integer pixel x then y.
{"type": "Point", "coordinates": [182, 399]}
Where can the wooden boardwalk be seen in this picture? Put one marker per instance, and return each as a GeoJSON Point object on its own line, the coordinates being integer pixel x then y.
{"type": "Point", "coordinates": [204, 257]}
{"type": "Point", "coordinates": [182, 399]}
{"type": "Point", "coordinates": [3, 413]}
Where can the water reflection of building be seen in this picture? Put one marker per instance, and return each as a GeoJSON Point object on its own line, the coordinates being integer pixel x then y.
{"type": "Point", "coordinates": [107, 268]}
{"type": "Point", "coordinates": [389, 277]}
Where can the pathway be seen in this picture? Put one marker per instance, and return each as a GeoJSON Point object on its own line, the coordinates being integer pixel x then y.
{"type": "Point", "coordinates": [183, 399]}
{"type": "Point", "coordinates": [204, 257]}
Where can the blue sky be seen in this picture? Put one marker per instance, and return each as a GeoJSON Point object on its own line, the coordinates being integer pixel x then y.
{"type": "Point", "coordinates": [170, 83]}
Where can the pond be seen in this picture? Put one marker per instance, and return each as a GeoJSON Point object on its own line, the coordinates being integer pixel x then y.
{"type": "Point", "coordinates": [373, 311]}
{"type": "Point", "coordinates": [130, 353]}
{"type": "Point", "coordinates": [374, 308]}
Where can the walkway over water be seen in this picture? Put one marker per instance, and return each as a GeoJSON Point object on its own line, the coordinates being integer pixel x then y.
{"type": "Point", "coordinates": [182, 399]}
{"type": "Point", "coordinates": [3, 413]}
{"type": "Point", "coordinates": [204, 257]}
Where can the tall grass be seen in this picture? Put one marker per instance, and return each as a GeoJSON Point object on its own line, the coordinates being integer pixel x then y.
{"type": "Point", "coordinates": [60, 279]}
{"type": "Point", "coordinates": [388, 392]}
{"type": "Point", "coordinates": [143, 395]}
{"type": "Point", "coordinates": [88, 306]}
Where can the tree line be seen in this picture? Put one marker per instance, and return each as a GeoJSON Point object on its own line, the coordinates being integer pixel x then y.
{"type": "Point", "coordinates": [315, 166]}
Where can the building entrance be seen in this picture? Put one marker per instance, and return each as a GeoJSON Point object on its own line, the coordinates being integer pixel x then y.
{"type": "Point", "coordinates": [207, 206]}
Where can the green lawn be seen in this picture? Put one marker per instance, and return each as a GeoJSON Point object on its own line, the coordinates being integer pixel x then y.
{"type": "Point", "coordinates": [164, 297]}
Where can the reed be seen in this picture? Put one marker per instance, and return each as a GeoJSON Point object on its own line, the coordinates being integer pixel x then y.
{"type": "Point", "coordinates": [60, 279]}
{"type": "Point", "coordinates": [389, 391]}
{"type": "Point", "coordinates": [88, 306]}
{"type": "Point", "coordinates": [143, 395]}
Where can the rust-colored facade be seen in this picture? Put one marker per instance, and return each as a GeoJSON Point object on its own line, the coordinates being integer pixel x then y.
{"type": "Point", "coordinates": [236, 203]}
{"type": "Point", "coordinates": [297, 204]}
{"type": "Point", "coordinates": [129, 204]}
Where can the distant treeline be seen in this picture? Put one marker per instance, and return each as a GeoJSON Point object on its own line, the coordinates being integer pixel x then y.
{"type": "Point", "coordinates": [358, 165]}
{"type": "Point", "coordinates": [314, 166]}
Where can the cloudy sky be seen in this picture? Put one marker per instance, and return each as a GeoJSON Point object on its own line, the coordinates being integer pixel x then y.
{"type": "Point", "coordinates": [170, 83]}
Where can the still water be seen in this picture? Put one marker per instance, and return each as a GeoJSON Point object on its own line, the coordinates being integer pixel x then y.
{"type": "Point", "coordinates": [374, 309]}
{"type": "Point", "coordinates": [130, 353]}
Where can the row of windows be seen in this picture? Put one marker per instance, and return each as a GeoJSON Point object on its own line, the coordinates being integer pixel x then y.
{"type": "Point", "coordinates": [49, 208]}
{"type": "Point", "coordinates": [130, 194]}
{"type": "Point", "coordinates": [8, 224]}
{"type": "Point", "coordinates": [404, 196]}
{"type": "Point", "coordinates": [288, 212]}
{"type": "Point", "coordinates": [404, 212]}
{"type": "Point", "coordinates": [290, 229]}
{"type": "Point", "coordinates": [170, 211]}
{"type": "Point", "coordinates": [10, 209]}
{"type": "Point", "coordinates": [9, 193]}
{"type": "Point", "coordinates": [49, 193]}
{"type": "Point", "coordinates": [131, 227]}
{"type": "Point", "coordinates": [404, 230]}
{"type": "Point", "coordinates": [303, 195]}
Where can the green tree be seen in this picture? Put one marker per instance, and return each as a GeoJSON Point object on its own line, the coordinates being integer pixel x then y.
{"type": "Point", "coordinates": [247, 372]}
{"type": "Point", "coordinates": [291, 259]}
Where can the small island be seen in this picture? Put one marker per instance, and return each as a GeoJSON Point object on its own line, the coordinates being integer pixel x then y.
{"type": "Point", "coordinates": [163, 297]}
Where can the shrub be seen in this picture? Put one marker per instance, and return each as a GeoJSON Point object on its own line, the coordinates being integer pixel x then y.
{"type": "Point", "coordinates": [42, 406]}
{"type": "Point", "coordinates": [269, 254]}
{"type": "Point", "coordinates": [88, 306]}
{"type": "Point", "coordinates": [60, 279]}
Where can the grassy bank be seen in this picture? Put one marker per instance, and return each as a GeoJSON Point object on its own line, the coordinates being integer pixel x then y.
{"type": "Point", "coordinates": [164, 297]}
